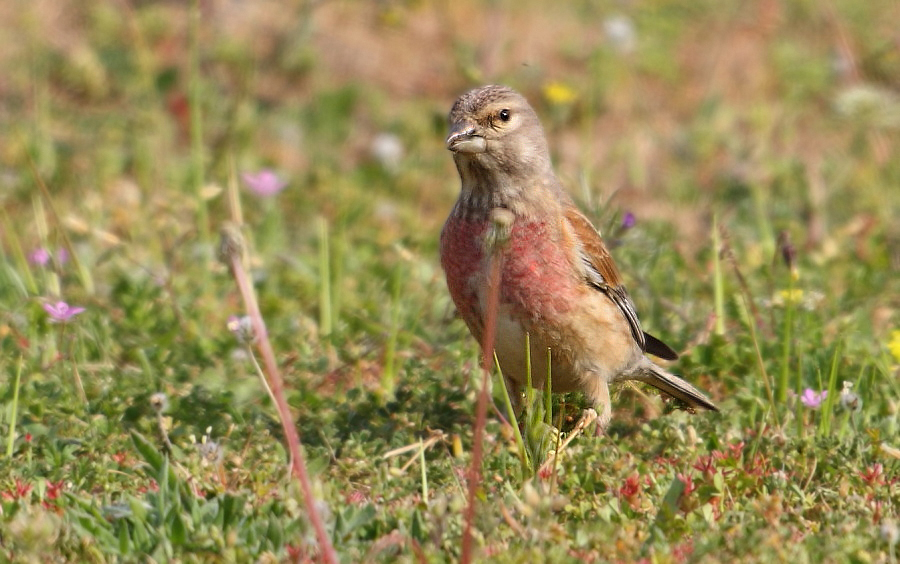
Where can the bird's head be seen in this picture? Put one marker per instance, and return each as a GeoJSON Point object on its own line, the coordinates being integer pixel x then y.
{"type": "Point", "coordinates": [496, 138]}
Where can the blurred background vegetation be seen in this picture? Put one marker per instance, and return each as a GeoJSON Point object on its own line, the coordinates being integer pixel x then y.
{"type": "Point", "coordinates": [777, 120]}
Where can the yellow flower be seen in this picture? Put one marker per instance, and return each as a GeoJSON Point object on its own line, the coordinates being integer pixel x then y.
{"type": "Point", "coordinates": [793, 295]}
{"type": "Point", "coordinates": [559, 94]}
{"type": "Point", "coordinates": [894, 344]}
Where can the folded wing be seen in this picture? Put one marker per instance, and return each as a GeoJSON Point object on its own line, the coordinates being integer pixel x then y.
{"type": "Point", "coordinates": [602, 274]}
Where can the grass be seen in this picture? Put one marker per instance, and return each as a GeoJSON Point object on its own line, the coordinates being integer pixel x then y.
{"type": "Point", "coordinates": [720, 126]}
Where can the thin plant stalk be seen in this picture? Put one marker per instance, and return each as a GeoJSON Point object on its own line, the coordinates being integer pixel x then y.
{"type": "Point", "coordinates": [751, 323]}
{"type": "Point", "coordinates": [828, 406]}
{"type": "Point", "coordinates": [237, 216]}
{"type": "Point", "coordinates": [15, 247]}
{"type": "Point", "coordinates": [524, 459]}
{"type": "Point", "coordinates": [161, 424]}
{"type": "Point", "coordinates": [424, 471]}
{"type": "Point", "coordinates": [259, 372]}
{"type": "Point", "coordinates": [752, 318]}
{"type": "Point", "coordinates": [389, 374]}
{"type": "Point", "coordinates": [51, 277]}
{"type": "Point", "coordinates": [529, 390]}
{"type": "Point", "coordinates": [798, 414]}
{"type": "Point", "coordinates": [548, 387]}
{"type": "Point", "coordinates": [11, 439]}
{"type": "Point", "coordinates": [787, 338]}
{"type": "Point", "coordinates": [234, 196]}
{"type": "Point", "coordinates": [324, 279]}
{"type": "Point", "coordinates": [718, 279]}
{"type": "Point", "coordinates": [767, 239]}
{"type": "Point", "coordinates": [337, 248]}
{"type": "Point", "coordinates": [231, 249]}
{"type": "Point", "coordinates": [79, 383]}
{"type": "Point", "coordinates": [70, 354]}
{"type": "Point", "coordinates": [499, 232]}
{"type": "Point", "coordinates": [84, 274]}
{"type": "Point", "coordinates": [559, 423]}
{"type": "Point", "coordinates": [196, 118]}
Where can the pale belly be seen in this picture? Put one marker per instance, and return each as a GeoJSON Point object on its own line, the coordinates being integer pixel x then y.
{"type": "Point", "coordinates": [513, 347]}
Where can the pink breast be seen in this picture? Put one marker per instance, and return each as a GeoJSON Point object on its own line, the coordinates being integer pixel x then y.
{"type": "Point", "coordinates": [537, 279]}
{"type": "Point", "coordinates": [537, 270]}
{"type": "Point", "coordinates": [462, 255]}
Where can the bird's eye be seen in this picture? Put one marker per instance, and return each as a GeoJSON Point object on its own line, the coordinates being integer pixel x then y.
{"type": "Point", "coordinates": [504, 115]}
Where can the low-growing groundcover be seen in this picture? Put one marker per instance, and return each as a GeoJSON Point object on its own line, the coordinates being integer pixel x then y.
{"type": "Point", "coordinates": [741, 157]}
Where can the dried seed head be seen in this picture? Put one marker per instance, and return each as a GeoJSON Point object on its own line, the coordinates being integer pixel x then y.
{"type": "Point", "coordinates": [242, 328]}
{"type": "Point", "coordinates": [850, 401]}
{"type": "Point", "coordinates": [788, 251]}
{"type": "Point", "coordinates": [211, 452]}
{"type": "Point", "coordinates": [159, 402]}
{"type": "Point", "coordinates": [231, 244]}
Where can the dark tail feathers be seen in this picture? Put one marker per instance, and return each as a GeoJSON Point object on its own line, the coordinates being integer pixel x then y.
{"type": "Point", "coordinates": [675, 387]}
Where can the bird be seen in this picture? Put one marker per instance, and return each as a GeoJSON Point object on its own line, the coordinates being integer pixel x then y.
{"type": "Point", "coordinates": [561, 297]}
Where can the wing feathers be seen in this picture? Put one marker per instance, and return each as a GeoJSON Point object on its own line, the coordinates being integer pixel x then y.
{"type": "Point", "coordinates": [602, 274]}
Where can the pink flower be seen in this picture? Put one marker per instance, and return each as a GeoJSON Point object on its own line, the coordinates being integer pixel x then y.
{"type": "Point", "coordinates": [21, 490]}
{"type": "Point", "coordinates": [629, 221]}
{"type": "Point", "coordinates": [264, 183]}
{"type": "Point", "coordinates": [41, 256]}
{"type": "Point", "coordinates": [631, 487]}
{"type": "Point", "coordinates": [873, 475]}
{"type": "Point", "coordinates": [688, 482]}
{"type": "Point", "coordinates": [813, 399]}
{"type": "Point", "coordinates": [60, 312]}
{"type": "Point", "coordinates": [707, 465]}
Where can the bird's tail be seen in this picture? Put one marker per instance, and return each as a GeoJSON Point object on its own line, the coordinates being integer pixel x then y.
{"type": "Point", "coordinates": [674, 386]}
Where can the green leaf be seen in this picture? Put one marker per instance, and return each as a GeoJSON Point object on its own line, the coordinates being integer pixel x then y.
{"type": "Point", "coordinates": [669, 506]}
{"type": "Point", "coordinates": [177, 529]}
{"type": "Point", "coordinates": [719, 482]}
{"type": "Point", "coordinates": [148, 451]}
{"type": "Point", "coordinates": [417, 528]}
{"type": "Point", "coordinates": [124, 540]}
{"type": "Point", "coordinates": [275, 533]}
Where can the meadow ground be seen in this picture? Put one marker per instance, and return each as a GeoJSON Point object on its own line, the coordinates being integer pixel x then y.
{"type": "Point", "coordinates": [741, 156]}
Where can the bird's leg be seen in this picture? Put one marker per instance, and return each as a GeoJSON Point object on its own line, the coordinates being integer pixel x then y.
{"type": "Point", "coordinates": [599, 396]}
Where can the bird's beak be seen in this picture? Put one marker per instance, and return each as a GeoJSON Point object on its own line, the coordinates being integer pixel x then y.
{"type": "Point", "coordinates": [462, 139]}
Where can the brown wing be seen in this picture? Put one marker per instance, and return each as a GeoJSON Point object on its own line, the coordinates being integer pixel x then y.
{"type": "Point", "coordinates": [601, 272]}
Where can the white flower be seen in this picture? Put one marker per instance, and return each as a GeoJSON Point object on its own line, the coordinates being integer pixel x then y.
{"type": "Point", "coordinates": [849, 400]}
{"type": "Point", "coordinates": [619, 30]}
{"type": "Point", "coordinates": [387, 149]}
{"type": "Point", "coordinates": [159, 402]}
{"type": "Point", "coordinates": [242, 328]}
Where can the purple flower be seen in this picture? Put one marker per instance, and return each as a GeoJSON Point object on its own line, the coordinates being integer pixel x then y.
{"type": "Point", "coordinates": [813, 399]}
{"type": "Point", "coordinates": [60, 312]}
{"type": "Point", "coordinates": [264, 183]}
{"type": "Point", "coordinates": [628, 221]}
{"type": "Point", "coordinates": [39, 256]}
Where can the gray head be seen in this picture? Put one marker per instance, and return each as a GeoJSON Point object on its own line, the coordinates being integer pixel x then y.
{"type": "Point", "coordinates": [497, 141]}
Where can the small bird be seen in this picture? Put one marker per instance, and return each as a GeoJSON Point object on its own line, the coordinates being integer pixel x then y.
{"type": "Point", "coordinates": [558, 283]}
